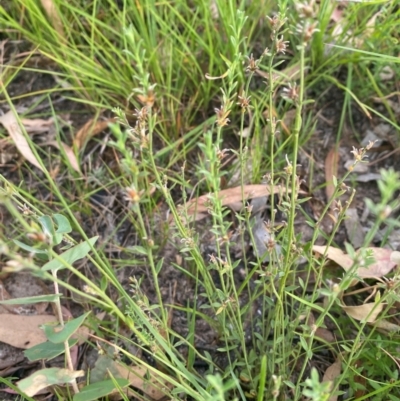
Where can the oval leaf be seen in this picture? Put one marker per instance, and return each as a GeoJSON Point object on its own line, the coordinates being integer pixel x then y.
{"type": "Point", "coordinates": [98, 390]}
{"type": "Point", "coordinates": [47, 350]}
{"type": "Point", "coordinates": [63, 225]}
{"type": "Point", "coordinates": [47, 377]}
{"type": "Point", "coordinates": [59, 334]}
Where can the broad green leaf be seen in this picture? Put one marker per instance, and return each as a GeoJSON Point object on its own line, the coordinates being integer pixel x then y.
{"type": "Point", "coordinates": [47, 225]}
{"type": "Point", "coordinates": [100, 389]}
{"type": "Point", "coordinates": [59, 334]}
{"type": "Point", "coordinates": [63, 226]}
{"type": "Point", "coordinates": [47, 350]}
{"type": "Point", "coordinates": [57, 239]}
{"type": "Point", "coordinates": [71, 255]}
{"type": "Point", "coordinates": [28, 247]}
{"type": "Point", "coordinates": [45, 378]}
{"type": "Point", "coordinates": [31, 300]}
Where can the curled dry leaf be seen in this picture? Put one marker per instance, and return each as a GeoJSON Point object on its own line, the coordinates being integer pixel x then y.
{"type": "Point", "coordinates": [10, 123]}
{"type": "Point", "coordinates": [90, 129]}
{"type": "Point", "coordinates": [331, 170]}
{"type": "Point", "coordinates": [37, 125]}
{"type": "Point", "coordinates": [382, 266]}
{"type": "Point", "coordinates": [68, 152]}
{"type": "Point", "coordinates": [136, 376]}
{"type": "Point", "coordinates": [386, 327]}
{"type": "Point", "coordinates": [230, 196]}
{"type": "Point", "coordinates": [367, 312]}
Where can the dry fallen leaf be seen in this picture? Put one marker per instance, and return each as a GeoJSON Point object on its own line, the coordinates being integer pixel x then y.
{"type": "Point", "coordinates": [331, 373]}
{"type": "Point", "coordinates": [230, 196]}
{"type": "Point", "coordinates": [10, 123]}
{"type": "Point", "coordinates": [23, 331]}
{"type": "Point", "coordinates": [37, 125]}
{"type": "Point", "coordinates": [386, 327]}
{"type": "Point", "coordinates": [54, 16]}
{"type": "Point", "coordinates": [331, 170]}
{"type": "Point", "coordinates": [320, 332]}
{"type": "Point", "coordinates": [366, 312]}
{"type": "Point", "coordinates": [69, 153]}
{"type": "Point", "coordinates": [382, 266]}
{"type": "Point", "coordinates": [90, 129]}
{"type": "Point", "coordinates": [136, 376]}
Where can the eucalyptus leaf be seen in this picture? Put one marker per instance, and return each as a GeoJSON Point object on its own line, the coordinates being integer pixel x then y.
{"type": "Point", "coordinates": [71, 255]}
{"type": "Point", "coordinates": [58, 334]}
{"type": "Point", "coordinates": [47, 350]}
{"type": "Point", "coordinates": [44, 378]}
{"type": "Point", "coordinates": [98, 390]}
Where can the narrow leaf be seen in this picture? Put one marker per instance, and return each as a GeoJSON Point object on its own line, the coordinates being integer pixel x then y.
{"type": "Point", "coordinates": [71, 255]}
{"type": "Point", "coordinates": [11, 124]}
{"type": "Point", "coordinates": [28, 247]}
{"type": "Point", "coordinates": [31, 300]}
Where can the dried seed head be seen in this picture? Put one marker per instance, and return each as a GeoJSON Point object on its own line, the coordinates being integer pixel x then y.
{"type": "Point", "coordinates": [252, 65]}
{"type": "Point", "coordinates": [306, 10]}
{"type": "Point", "coordinates": [222, 116]}
{"type": "Point", "coordinates": [307, 30]}
{"type": "Point", "coordinates": [358, 154]}
{"type": "Point", "coordinates": [213, 259]}
{"type": "Point", "coordinates": [276, 22]}
{"type": "Point", "coordinates": [271, 244]}
{"type": "Point", "coordinates": [281, 45]}
{"type": "Point", "coordinates": [25, 210]}
{"type": "Point", "coordinates": [289, 167]}
{"type": "Point", "coordinates": [221, 154]}
{"type": "Point", "coordinates": [244, 103]}
{"type": "Point", "coordinates": [370, 145]}
{"type": "Point", "coordinates": [291, 92]}
{"type": "Point", "coordinates": [131, 194]}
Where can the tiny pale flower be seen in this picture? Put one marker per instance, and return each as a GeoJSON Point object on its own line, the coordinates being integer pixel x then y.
{"type": "Point", "coordinates": [281, 45]}
{"type": "Point", "coordinates": [252, 66]}
{"type": "Point", "coordinates": [291, 92]}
